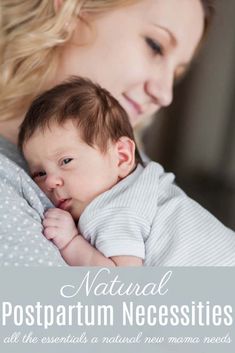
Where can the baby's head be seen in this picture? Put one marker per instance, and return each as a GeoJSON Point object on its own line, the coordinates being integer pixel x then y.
{"type": "Point", "coordinates": [78, 143]}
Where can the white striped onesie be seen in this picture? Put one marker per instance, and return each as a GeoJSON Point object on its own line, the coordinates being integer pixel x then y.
{"type": "Point", "coordinates": [148, 216]}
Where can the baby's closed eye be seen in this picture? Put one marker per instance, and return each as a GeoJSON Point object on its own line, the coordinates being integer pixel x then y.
{"type": "Point", "coordinates": [38, 174]}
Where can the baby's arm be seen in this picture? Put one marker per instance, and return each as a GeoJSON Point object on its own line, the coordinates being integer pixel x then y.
{"type": "Point", "coordinates": [79, 252]}
{"type": "Point", "coordinates": [59, 227]}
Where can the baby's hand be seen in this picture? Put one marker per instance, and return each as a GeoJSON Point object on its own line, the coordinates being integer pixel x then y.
{"type": "Point", "coordinates": [59, 227]}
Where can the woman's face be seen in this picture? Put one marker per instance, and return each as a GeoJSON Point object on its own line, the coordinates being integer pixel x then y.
{"type": "Point", "coordinates": [136, 52]}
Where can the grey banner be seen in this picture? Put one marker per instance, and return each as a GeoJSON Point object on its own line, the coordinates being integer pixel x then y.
{"type": "Point", "coordinates": [119, 310]}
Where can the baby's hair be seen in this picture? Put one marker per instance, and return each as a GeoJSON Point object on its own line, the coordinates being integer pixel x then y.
{"type": "Point", "coordinates": [96, 114]}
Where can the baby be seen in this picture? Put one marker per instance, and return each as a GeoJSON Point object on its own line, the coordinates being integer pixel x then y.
{"type": "Point", "coordinates": [79, 145]}
{"type": "Point", "coordinates": [81, 152]}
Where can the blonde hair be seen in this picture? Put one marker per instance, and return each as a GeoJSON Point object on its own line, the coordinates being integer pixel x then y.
{"type": "Point", "coordinates": [31, 31]}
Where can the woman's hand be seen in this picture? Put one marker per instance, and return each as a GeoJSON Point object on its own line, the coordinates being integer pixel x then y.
{"type": "Point", "coordinates": [59, 227]}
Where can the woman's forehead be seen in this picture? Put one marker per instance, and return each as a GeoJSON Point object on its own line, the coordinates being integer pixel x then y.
{"type": "Point", "coordinates": [181, 20]}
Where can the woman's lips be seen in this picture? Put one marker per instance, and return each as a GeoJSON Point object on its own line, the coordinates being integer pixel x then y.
{"type": "Point", "coordinates": [64, 204]}
{"type": "Point", "coordinates": [134, 105]}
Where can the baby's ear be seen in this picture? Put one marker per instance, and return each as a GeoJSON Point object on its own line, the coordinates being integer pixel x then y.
{"type": "Point", "coordinates": [125, 148]}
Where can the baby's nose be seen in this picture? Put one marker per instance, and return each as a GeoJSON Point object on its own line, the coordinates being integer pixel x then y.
{"type": "Point", "coordinates": [53, 181]}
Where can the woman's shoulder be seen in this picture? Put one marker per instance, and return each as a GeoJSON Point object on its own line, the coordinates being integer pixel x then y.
{"type": "Point", "coordinates": [22, 205]}
{"type": "Point", "coordinates": [15, 183]}
{"type": "Point", "coordinates": [9, 153]}
{"type": "Point", "coordinates": [9, 173]}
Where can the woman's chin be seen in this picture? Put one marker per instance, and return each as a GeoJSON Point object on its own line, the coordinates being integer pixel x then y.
{"type": "Point", "coordinates": [139, 120]}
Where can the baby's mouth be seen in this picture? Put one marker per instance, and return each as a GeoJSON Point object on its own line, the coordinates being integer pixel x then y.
{"type": "Point", "coordinates": [64, 204]}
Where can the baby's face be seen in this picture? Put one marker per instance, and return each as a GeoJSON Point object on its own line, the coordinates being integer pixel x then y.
{"type": "Point", "coordinates": [70, 172]}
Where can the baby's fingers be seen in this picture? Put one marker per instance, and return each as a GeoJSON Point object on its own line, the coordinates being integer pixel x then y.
{"type": "Point", "coordinates": [56, 213]}
{"type": "Point", "coordinates": [50, 232]}
{"type": "Point", "coordinates": [50, 222]}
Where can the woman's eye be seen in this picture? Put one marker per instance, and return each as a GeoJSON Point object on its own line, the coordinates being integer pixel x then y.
{"type": "Point", "coordinates": [67, 160]}
{"type": "Point", "coordinates": [154, 46]}
{"type": "Point", "coordinates": [38, 175]}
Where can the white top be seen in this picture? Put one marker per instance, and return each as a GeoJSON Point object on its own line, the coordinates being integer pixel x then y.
{"type": "Point", "coordinates": [148, 216]}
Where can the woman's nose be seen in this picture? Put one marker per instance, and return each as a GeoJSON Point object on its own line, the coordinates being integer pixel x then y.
{"type": "Point", "coordinates": [53, 181]}
{"type": "Point", "coordinates": [160, 89]}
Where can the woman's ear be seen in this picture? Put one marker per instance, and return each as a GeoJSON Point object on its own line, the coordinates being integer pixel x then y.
{"type": "Point", "coordinates": [125, 148]}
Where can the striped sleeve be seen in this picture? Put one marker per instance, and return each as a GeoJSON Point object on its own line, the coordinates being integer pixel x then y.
{"type": "Point", "coordinates": [117, 232]}
{"type": "Point", "coordinates": [186, 234]}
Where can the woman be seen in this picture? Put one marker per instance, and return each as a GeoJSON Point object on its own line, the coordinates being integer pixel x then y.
{"type": "Point", "coordinates": [136, 50]}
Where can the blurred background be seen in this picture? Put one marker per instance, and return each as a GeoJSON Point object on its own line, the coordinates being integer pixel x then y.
{"type": "Point", "coordinates": [195, 137]}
